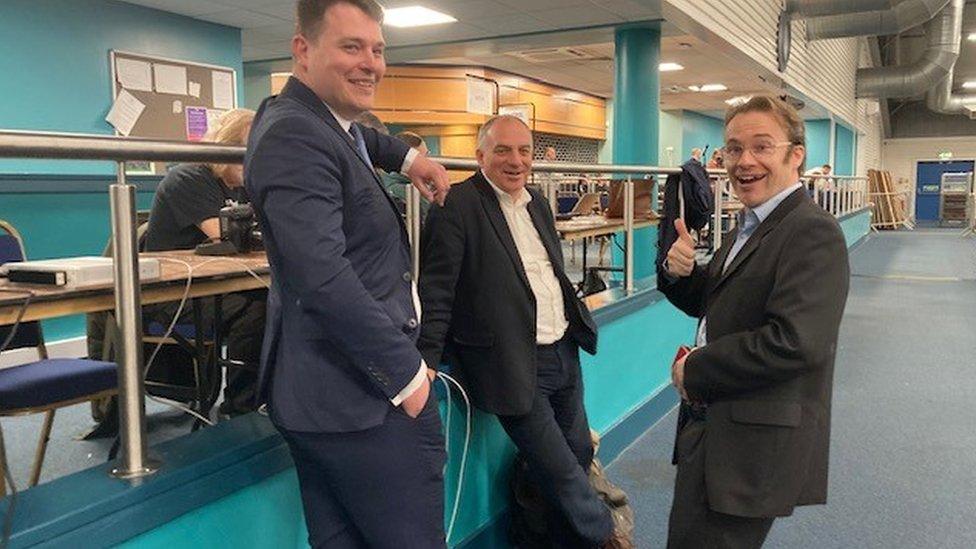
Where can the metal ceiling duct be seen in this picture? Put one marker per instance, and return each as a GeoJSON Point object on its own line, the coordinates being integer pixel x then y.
{"type": "Point", "coordinates": [801, 9]}
{"type": "Point", "coordinates": [941, 99]}
{"type": "Point", "coordinates": [900, 17]}
{"type": "Point", "coordinates": [944, 36]}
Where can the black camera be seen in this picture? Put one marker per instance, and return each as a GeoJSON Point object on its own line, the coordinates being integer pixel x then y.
{"type": "Point", "coordinates": [239, 226]}
{"type": "Point", "coordinates": [239, 232]}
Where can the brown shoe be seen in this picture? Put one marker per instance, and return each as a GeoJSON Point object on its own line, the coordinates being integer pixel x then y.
{"type": "Point", "coordinates": [622, 536]}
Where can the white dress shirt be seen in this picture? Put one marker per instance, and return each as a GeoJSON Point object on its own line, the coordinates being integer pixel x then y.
{"type": "Point", "coordinates": [418, 379]}
{"type": "Point", "coordinates": [550, 311]}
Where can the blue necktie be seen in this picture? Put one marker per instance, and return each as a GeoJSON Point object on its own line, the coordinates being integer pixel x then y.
{"type": "Point", "coordinates": [357, 136]}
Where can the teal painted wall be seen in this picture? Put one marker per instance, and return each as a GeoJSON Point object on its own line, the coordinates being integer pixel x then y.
{"type": "Point", "coordinates": [843, 150]}
{"type": "Point", "coordinates": [818, 142]}
{"type": "Point", "coordinates": [699, 130]}
{"type": "Point", "coordinates": [56, 58]}
{"type": "Point", "coordinates": [672, 137]}
{"type": "Point", "coordinates": [56, 64]}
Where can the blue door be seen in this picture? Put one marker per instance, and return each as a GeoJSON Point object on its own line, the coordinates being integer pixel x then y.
{"type": "Point", "coordinates": [928, 183]}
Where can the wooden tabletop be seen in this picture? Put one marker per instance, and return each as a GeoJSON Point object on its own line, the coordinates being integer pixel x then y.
{"type": "Point", "coordinates": [596, 225]}
{"type": "Point", "coordinates": [211, 276]}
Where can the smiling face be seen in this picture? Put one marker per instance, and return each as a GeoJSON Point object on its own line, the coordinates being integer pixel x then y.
{"type": "Point", "coordinates": [505, 156]}
{"type": "Point", "coordinates": [344, 62]}
{"type": "Point", "coordinates": [768, 164]}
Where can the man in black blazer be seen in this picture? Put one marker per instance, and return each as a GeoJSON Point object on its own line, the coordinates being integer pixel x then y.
{"type": "Point", "coordinates": [498, 306]}
{"type": "Point", "coordinates": [754, 424]}
{"type": "Point", "coordinates": [340, 370]}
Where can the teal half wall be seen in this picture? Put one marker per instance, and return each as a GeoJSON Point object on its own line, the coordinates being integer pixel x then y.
{"type": "Point", "coordinates": [843, 150]}
{"type": "Point", "coordinates": [818, 142]}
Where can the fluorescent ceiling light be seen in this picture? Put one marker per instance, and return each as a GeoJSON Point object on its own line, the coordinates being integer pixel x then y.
{"type": "Point", "coordinates": [668, 67]}
{"type": "Point", "coordinates": [971, 37]}
{"type": "Point", "coordinates": [708, 88]}
{"type": "Point", "coordinates": [969, 84]}
{"type": "Point", "coordinates": [415, 16]}
{"type": "Point", "coordinates": [736, 101]}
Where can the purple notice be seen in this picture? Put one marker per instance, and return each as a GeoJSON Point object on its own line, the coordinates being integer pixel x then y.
{"type": "Point", "coordinates": [196, 123]}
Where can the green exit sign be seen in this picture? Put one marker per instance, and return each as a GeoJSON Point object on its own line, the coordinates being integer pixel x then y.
{"type": "Point", "coordinates": [945, 155]}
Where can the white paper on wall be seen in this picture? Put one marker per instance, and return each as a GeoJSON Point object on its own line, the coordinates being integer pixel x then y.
{"type": "Point", "coordinates": [170, 79]}
{"type": "Point", "coordinates": [125, 112]}
{"type": "Point", "coordinates": [133, 74]}
{"type": "Point", "coordinates": [223, 90]}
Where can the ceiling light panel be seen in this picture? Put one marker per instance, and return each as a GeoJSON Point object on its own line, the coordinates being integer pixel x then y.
{"type": "Point", "coordinates": [415, 16]}
{"type": "Point", "coordinates": [669, 67]}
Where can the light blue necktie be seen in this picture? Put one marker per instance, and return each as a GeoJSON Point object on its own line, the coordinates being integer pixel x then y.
{"type": "Point", "coordinates": [357, 136]}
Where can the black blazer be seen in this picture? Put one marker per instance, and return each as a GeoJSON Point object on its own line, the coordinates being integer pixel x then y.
{"type": "Point", "coordinates": [478, 309]}
{"type": "Point", "coordinates": [340, 339]}
{"type": "Point", "coordinates": [766, 372]}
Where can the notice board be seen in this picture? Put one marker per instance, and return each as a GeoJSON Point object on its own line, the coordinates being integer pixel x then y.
{"type": "Point", "coordinates": [160, 98]}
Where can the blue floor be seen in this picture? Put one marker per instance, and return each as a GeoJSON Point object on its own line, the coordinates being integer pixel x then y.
{"type": "Point", "coordinates": [903, 445]}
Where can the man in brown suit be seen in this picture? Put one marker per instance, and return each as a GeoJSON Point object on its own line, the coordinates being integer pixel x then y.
{"type": "Point", "coordinates": [754, 425]}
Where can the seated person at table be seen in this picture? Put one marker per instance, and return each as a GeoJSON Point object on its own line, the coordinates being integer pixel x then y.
{"type": "Point", "coordinates": [185, 213]}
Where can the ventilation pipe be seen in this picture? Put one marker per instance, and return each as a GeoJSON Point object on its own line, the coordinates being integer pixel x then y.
{"type": "Point", "coordinates": [941, 99]}
{"type": "Point", "coordinates": [904, 15]}
{"type": "Point", "coordinates": [944, 35]}
{"type": "Point", "coordinates": [802, 9]}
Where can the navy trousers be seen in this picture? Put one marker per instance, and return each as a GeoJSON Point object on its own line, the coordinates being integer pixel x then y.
{"type": "Point", "coordinates": [554, 438]}
{"type": "Point", "coordinates": [379, 488]}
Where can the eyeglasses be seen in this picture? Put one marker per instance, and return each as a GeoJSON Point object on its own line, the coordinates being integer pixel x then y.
{"type": "Point", "coordinates": [758, 150]}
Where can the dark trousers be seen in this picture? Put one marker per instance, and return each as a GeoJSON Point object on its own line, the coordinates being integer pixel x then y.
{"type": "Point", "coordinates": [242, 326]}
{"type": "Point", "coordinates": [693, 525]}
{"type": "Point", "coordinates": [554, 439]}
{"type": "Point", "coordinates": [379, 488]}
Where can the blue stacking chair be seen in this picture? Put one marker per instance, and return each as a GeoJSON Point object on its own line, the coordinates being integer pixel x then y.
{"type": "Point", "coordinates": [47, 384]}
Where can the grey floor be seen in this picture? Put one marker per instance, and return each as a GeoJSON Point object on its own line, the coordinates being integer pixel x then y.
{"type": "Point", "coordinates": [903, 448]}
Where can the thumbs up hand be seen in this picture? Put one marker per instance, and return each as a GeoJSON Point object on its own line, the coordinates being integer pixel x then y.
{"type": "Point", "coordinates": [681, 256]}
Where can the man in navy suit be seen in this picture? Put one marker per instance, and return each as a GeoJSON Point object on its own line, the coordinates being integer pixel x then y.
{"type": "Point", "coordinates": [345, 384]}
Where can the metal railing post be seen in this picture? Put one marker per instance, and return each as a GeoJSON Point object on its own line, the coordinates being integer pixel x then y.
{"type": "Point", "coordinates": [550, 189]}
{"type": "Point", "coordinates": [629, 228]}
{"type": "Point", "coordinates": [128, 313]}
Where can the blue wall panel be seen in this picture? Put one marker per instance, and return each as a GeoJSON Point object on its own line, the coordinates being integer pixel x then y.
{"type": "Point", "coordinates": [699, 130]}
{"type": "Point", "coordinates": [843, 150]}
{"type": "Point", "coordinates": [818, 142]}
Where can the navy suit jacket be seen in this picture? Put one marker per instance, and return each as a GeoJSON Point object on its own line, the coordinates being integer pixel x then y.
{"type": "Point", "coordinates": [341, 325]}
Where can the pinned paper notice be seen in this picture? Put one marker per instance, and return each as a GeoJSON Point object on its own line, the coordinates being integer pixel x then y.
{"type": "Point", "coordinates": [125, 112]}
{"type": "Point", "coordinates": [194, 88]}
{"type": "Point", "coordinates": [177, 106]}
{"type": "Point", "coordinates": [170, 79]}
{"type": "Point", "coordinates": [223, 90]}
{"type": "Point", "coordinates": [133, 75]}
{"type": "Point", "coordinates": [196, 123]}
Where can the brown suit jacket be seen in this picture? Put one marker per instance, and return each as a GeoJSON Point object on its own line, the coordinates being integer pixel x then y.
{"type": "Point", "coordinates": [766, 372]}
